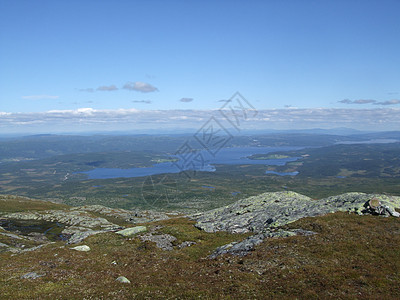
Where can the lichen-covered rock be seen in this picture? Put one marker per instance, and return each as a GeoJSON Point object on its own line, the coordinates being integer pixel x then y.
{"type": "Point", "coordinates": [132, 230]}
{"type": "Point", "coordinates": [163, 241]}
{"type": "Point", "coordinates": [133, 216]}
{"type": "Point", "coordinates": [186, 244]}
{"type": "Point", "coordinates": [357, 202]}
{"type": "Point", "coordinates": [243, 248]}
{"type": "Point", "coordinates": [3, 245]}
{"type": "Point", "coordinates": [262, 215]}
{"type": "Point", "coordinates": [79, 236]}
{"type": "Point", "coordinates": [31, 275]}
{"type": "Point", "coordinates": [376, 207]}
{"type": "Point", "coordinates": [270, 210]}
{"type": "Point", "coordinates": [239, 248]}
{"type": "Point", "coordinates": [78, 224]}
{"type": "Point", "coordinates": [66, 217]}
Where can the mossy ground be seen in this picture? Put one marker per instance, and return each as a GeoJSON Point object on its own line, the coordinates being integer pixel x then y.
{"type": "Point", "coordinates": [350, 257]}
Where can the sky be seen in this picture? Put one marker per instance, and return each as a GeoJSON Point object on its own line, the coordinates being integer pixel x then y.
{"type": "Point", "coordinates": [135, 65]}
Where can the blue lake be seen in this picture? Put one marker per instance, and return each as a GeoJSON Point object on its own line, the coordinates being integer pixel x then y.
{"type": "Point", "coordinates": [226, 156]}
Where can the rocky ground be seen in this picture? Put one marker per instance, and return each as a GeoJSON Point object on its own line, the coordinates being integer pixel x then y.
{"type": "Point", "coordinates": [265, 213]}
{"type": "Point", "coordinates": [275, 245]}
{"type": "Point", "coordinates": [77, 224]}
{"type": "Point", "coordinates": [261, 215]}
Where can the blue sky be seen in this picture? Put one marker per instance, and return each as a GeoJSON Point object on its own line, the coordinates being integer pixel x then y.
{"type": "Point", "coordinates": [103, 58]}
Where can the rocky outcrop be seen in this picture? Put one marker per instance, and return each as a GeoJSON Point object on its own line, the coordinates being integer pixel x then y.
{"type": "Point", "coordinates": [271, 210]}
{"type": "Point", "coordinates": [132, 216]}
{"type": "Point", "coordinates": [78, 224]}
{"type": "Point", "coordinates": [242, 248]}
{"type": "Point", "coordinates": [377, 207]}
{"type": "Point", "coordinates": [3, 245]}
{"type": "Point", "coordinates": [66, 217]}
{"type": "Point", "coordinates": [263, 214]}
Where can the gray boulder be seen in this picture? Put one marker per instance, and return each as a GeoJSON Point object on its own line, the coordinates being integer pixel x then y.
{"type": "Point", "coordinates": [163, 241]}
{"type": "Point", "coordinates": [132, 231]}
{"type": "Point", "coordinates": [376, 207]}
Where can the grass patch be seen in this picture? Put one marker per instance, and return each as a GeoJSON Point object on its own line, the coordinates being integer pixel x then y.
{"type": "Point", "coordinates": [183, 229]}
{"type": "Point", "coordinates": [10, 204]}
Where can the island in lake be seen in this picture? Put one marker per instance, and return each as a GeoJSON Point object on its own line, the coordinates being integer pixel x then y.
{"type": "Point", "coordinates": [267, 156]}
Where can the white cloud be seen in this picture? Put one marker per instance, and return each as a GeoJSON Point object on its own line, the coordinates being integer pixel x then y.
{"type": "Point", "coordinates": [186, 100]}
{"type": "Point", "coordinates": [86, 119]}
{"type": "Point", "coordinates": [88, 90]}
{"type": "Point", "coordinates": [140, 87]}
{"type": "Point", "coordinates": [389, 102]}
{"type": "Point", "coordinates": [107, 88]}
{"type": "Point", "coordinates": [85, 111]}
{"type": "Point", "coordinates": [39, 97]}
{"type": "Point", "coordinates": [370, 101]}
{"type": "Point", "coordinates": [142, 101]}
{"type": "Point", "coordinates": [359, 101]}
{"type": "Point", "coordinates": [179, 118]}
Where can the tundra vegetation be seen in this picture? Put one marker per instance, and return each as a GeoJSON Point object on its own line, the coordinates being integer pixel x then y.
{"type": "Point", "coordinates": [349, 256]}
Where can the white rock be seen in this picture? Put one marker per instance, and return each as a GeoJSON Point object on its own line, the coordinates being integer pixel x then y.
{"type": "Point", "coordinates": [3, 245]}
{"type": "Point", "coordinates": [83, 248]}
{"type": "Point", "coordinates": [395, 214]}
{"type": "Point", "coordinates": [31, 275]}
{"type": "Point", "coordinates": [123, 279]}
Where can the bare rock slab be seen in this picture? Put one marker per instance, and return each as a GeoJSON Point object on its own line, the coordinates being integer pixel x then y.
{"type": "Point", "coordinates": [163, 241]}
{"type": "Point", "coordinates": [132, 231]}
{"type": "Point", "coordinates": [31, 275]}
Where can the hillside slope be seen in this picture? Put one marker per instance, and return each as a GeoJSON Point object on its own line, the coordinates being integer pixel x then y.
{"type": "Point", "coordinates": [334, 256]}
